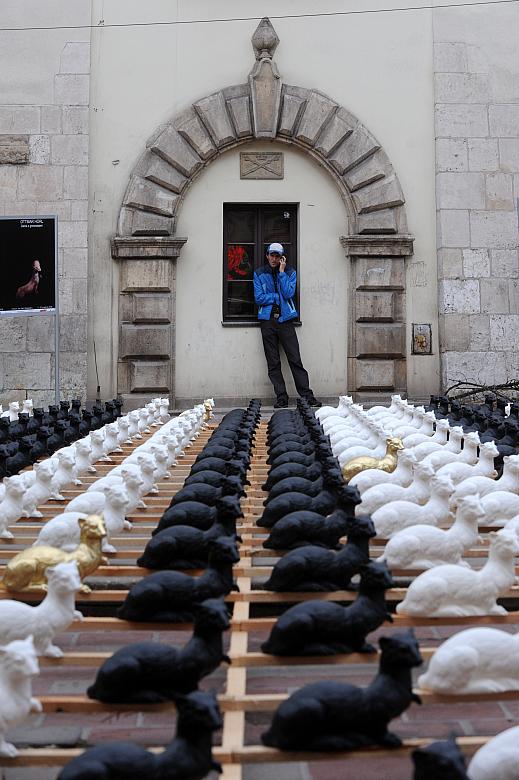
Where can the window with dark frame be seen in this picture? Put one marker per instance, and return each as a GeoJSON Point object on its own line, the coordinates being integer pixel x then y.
{"type": "Point", "coordinates": [248, 229]}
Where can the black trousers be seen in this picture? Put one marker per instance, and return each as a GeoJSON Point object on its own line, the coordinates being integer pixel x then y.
{"type": "Point", "coordinates": [273, 334]}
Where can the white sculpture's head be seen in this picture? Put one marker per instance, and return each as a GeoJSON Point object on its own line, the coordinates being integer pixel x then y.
{"type": "Point", "coordinates": [64, 578]}
{"type": "Point", "coordinates": [117, 496]}
{"type": "Point", "coordinates": [505, 542]}
{"type": "Point", "coordinates": [44, 470]}
{"type": "Point", "coordinates": [83, 446]}
{"type": "Point", "coordinates": [14, 406]}
{"type": "Point", "coordinates": [456, 432]}
{"type": "Point", "coordinates": [422, 469]}
{"type": "Point", "coordinates": [28, 405]}
{"type": "Point", "coordinates": [66, 459]}
{"type": "Point", "coordinates": [112, 429]}
{"type": "Point", "coordinates": [489, 449]}
{"type": "Point", "coordinates": [408, 456]}
{"type": "Point", "coordinates": [123, 423]}
{"type": "Point", "coordinates": [472, 439]}
{"type": "Point", "coordinates": [14, 487]}
{"type": "Point", "coordinates": [442, 425]}
{"type": "Point", "coordinates": [442, 485]}
{"type": "Point", "coordinates": [470, 507]}
{"type": "Point", "coordinates": [512, 463]}
{"type": "Point", "coordinates": [131, 477]}
{"type": "Point", "coordinates": [18, 658]}
{"type": "Point", "coordinates": [133, 416]}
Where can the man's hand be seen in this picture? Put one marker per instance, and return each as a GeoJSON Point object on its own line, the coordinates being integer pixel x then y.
{"type": "Point", "coordinates": [282, 264]}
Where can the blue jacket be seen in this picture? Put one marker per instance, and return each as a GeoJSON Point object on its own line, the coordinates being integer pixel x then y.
{"type": "Point", "coordinates": [265, 293]}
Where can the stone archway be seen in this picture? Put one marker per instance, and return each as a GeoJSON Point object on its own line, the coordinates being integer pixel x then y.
{"type": "Point", "coordinates": [263, 108]}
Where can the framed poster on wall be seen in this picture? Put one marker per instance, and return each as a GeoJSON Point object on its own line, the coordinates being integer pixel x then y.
{"type": "Point", "coordinates": [28, 248]}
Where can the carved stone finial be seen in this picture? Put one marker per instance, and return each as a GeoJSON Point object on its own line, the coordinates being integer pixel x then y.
{"type": "Point", "coordinates": [264, 40]}
{"type": "Point", "coordinates": [265, 81]}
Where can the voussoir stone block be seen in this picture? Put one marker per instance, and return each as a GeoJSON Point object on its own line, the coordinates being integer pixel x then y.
{"type": "Point", "coordinates": [373, 169]}
{"type": "Point", "coordinates": [170, 145]}
{"type": "Point", "coordinates": [373, 222]}
{"type": "Point", "coordinates": [149, 375]}
{"type": "Point", "coordinates": [148, 274]}
{"type": "Point", "coordinates": [380, 195]}
{"type": "Point", "coordinates": [191, 128]}
{"type": "Point", "coordinates": [133, 222]}
{"type": "Point", "coordinates": [358, 146]}
{"type": "Point", "coordinates": [145, 341]}
{"type": "Point", "coordinates": [340, 126]}
{"type": "Point", "coordinates": [375, 306]}
{"type": "Point", "coordinates": [380, 340]}
{"type": "Point", "coordinates": [240, 111]}
{"type": "Point", "coordinates": [292, 106]}
{"type": "Point", "coordinates": [146, 195]}
{"type": "Point", "coordinates": [162, 173]}
{"type": "Point", "coordinates": [213, 113]}
{"type": "Point", "coordinates": [317, 111]}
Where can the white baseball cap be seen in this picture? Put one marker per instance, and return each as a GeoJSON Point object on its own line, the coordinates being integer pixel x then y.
{"type": "Point", "coordinates": [275, 247]}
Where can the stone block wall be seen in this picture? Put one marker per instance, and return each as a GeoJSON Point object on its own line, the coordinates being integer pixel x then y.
{"type": "Point", "coordinates": [477, 187]}
{"type": "Point", "coordinates": [44, 170]}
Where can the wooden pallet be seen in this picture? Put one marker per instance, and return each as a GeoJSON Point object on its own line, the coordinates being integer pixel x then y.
{"type": "Point", "coordinates": [235, 701]}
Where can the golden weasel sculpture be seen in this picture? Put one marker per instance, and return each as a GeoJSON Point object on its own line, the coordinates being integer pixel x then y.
{"type": "Point", "coordinates": [387, 463]}
{"type": "Point", "coordinates": [27, 571]}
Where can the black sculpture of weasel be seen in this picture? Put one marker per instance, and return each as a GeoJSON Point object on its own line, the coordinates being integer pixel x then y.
{"type": "Point", "coordinates": [331, 715]}
{"type": "Point", "coordinates": [188, 757]}
{"type": "Point", "coordinates": [325, 628]}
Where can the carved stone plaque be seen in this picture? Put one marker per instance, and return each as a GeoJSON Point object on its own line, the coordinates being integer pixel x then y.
{"type": "Point", "coordinates": [261, 165]}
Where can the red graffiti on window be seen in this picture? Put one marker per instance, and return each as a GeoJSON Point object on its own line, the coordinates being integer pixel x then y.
{"type": "Point", "coordinates": [237, 265]}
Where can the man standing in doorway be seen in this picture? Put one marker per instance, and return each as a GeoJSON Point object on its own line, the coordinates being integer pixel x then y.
{"type": "Point", "coordinates": [274, 290]}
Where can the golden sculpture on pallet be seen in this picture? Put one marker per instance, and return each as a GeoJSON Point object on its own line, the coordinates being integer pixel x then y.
{"type": "Point", "coordinates": [27, 571]}
{"type": "Point", "coordinates": [363, 462]}
{"type": "Point", "coordinates": [208, 409]}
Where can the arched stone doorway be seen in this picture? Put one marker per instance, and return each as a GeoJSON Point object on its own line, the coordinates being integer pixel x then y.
{"type": "Point", "coordinates": [377, 243]}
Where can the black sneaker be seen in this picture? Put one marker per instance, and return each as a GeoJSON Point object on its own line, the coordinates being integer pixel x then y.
{"type": "Point", "coordinates": [314, 402]}
{"type": "Point", "coordinates": [281, 403]}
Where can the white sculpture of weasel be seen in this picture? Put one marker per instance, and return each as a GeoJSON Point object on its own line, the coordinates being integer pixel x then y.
{"type": "Point", "coordinates": [459, 471]}
{"type": "Point", "coordinates": [97, 439]}
{"type": "Point", "coordinates": [392, 517]}
{"type": "Point", "coordinates": [64, 532]}
{"type": "Point", "coordinates": [129, 476]}
{"type": "Point", "coordinates": [64, 474]}
{"type": "Point", "coordinates": [508, 481]}
{"type": "Point", "coordinates": [419, 491]}
{"type": "Point", "coordinates": [402, 475]}
{"type": "Point", "coordinates": [498, 759]}
{"type": "Point", "coordinates": [454, 591]}
{"type": "Point", "coordinates": [18, 663]}
{"type": "Point", "coordinates": [424, 546]}
{"type": "Point", "coordinates": [40, 490]}
{"type": "Point", "coordinates": [477, 660]}
{"type": "Point", "coordinates": [51, 616]}
{"type": "Point", "coordinates": [11, 506]}
{"type": "Point", "coordinates": [451, 451]}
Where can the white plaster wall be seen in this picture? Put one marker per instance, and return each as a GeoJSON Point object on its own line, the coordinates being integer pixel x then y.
{"type": "Point", "coordinates": [229, 362]}
{"type": "Point", "coordinates": [377, 66]}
